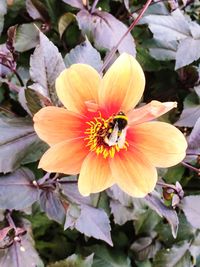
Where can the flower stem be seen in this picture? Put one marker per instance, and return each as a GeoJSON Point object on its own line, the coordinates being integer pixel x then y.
{"type": "Point", "coordinates": [190, 167]}
{"type": "Point", "coordinates": [114, 49]}
{"type": "Point", "coordinates": [94, 6]}
{"type": "Point", "coordinates": [10, 220]}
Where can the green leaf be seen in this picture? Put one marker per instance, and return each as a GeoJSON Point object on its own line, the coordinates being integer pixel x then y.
{"type": "Point", "coordinates": [16, 139]}
{"type": "Point", "coordinates": [174, 174]}
{"type": "Point", "coordinates": [27, 37]}
{"type": "Point", "coordinates": [190, 206]}
{"type": "Point", "coordinates": [64, 21]}
{"type": "Point", "coordinates": [84, 53]}
{"type": "Point", "coordinates": [74, 261]}
{"type": "Point", "coordinates": [46, 64]}
{"type": "Point", "coordinates": [103, 257]}
{"type": "Point", "coordinates": [177, 256]}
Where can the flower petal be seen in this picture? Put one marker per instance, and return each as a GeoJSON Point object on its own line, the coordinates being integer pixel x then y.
{"type": "Point", "coordinates": [78, 84]}
{"type": "Point", "coordinates": [133, 172]}
{"type": "Point", "coordinates": [162, 143]}
{"type": "Point", "coordinates": [95, 175]}
{"type": "Point", "coordinates": [65, 157]}
{"type": "Point", "coordinates": [122, 85]}
{"type": "Point", "coordinates": [149, 112]}
{"type": "Point", "coordinates": [54, 125]}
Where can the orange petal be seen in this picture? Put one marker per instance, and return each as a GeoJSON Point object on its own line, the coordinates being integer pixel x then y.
{"type": "Point", "coordinates": [54, 125]}
{"type": "Point", "coordinates": [78, 84]}
{"type": "Point", "coordinates": [65, 157]}
{"type": "Point", "coordinates": [162, 143]}
{"type": "Point", "coordinates": [149, 112]}
{"type": "Point", "coordinates": [122, 85]}
{"type": "Point", "coordinates": [95, 175]}
{"type": "Point", "coordinates": [133, 172]}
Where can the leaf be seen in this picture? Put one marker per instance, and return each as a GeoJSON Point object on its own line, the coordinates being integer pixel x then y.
{"type": "Point", "coordinates": [170, 215]}
{"type": "Point", "coordinates": [191, 111]}
{"type": "Point", "coordinates": [194, 138]}
{"type": "Point", "coordinates": [17, 190]}
{"type": "Point", "coordinates": [145, 248]}
{"type": "Point", "coordinates": [162, 50]}
{"type": "Point", "coordinates": [50, 202]}
{"type": "Point", "coordinates": [74, 261]}
{"type": "Point", "coordinates": [103, 257]}
{"type": "Point", "coordinates": [65, 20]}
{"type": "Point", "coordinates": [19, 255]}
{"type": "Point", "coordinates": [190, 206]}
{"type": "Point", "coordinates": [46, 64]}
{"type": "Point", "coordinates": [105, 30]}
{"type": "Point", "coordinates": [17, 136]}
{"type": "Point", "coordinates": [37, 10]}
{"type": "Point", "coordinates": [3, 11]}
{"type": "Point", "coordinates": [177, 256]}
{"type": "Point", "coordinates": [71, 191]}
{"type": "Point", "coordinates": [74, 3]}
{"type": "Point", "coordinates": [121, 213]}
{"type": "Point", "coordinates": [27, 37]}
{"type": "Point", "coordinates": [90, 221]}
{"type": "Point", "coordinates": [168, 28]}
{"type": "Point", "coordinates": [84, 53]}
{"type": "Point", "coordinates": [185, 56]}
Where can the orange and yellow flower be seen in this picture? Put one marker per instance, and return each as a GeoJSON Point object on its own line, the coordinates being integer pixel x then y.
{"type": "Point", "coordinates": [86, 137]}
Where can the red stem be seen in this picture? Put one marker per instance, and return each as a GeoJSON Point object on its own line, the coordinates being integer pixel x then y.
{"type": "Point", "coordinates": [114, 49]}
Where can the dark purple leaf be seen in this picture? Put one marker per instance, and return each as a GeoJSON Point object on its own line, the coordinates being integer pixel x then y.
{"type": "Point", "coordinates": [190, 206]}
{"type": "Point", "coordinates": [37, 10]}
{"type": "Point", "coordinates": [70, 190]}
{"type": "Point", "coordinates": [194, 138]}
{"type": "Point", "coordinates": [170, 215]}
{"type": "Point", "coordinates": [17, 139]}
{"type": "Point", "coordinates": [20, 255]}
{"type": "Point", "coordinates": [50, 202]}
{"type": "Point", "coordinates": [84, 53]}
{"type": "Point", "coordinates": [89, 221]}
{"type": "Point", "coordinates": [17, 190]}
{"type": "Point", "coordinates": [45, 65]}
{"type": "Point", "coordinates": [145, 248]}
{"type": "Point", "coordinates": [6, 237]}
{"type": "Point", "coordinates": [185, 56]}
{"type": "Point", "coordinates": [3, 11]}
{"type": "Point", "coordinates": [74, 3]}
{"type": "Point", "coordinates": [105, 30]}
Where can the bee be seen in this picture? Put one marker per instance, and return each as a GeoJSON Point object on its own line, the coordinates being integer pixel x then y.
{"type": "Point", "coordinates": [117, 130]}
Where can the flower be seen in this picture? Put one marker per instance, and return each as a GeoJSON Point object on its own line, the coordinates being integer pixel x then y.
{"type": "Point", "coordinates": [99, 135]}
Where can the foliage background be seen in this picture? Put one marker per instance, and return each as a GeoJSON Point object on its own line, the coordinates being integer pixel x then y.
{"type": "Point", "coordinates": [43, 219]}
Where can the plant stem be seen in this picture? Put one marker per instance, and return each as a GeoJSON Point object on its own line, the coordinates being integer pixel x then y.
{"type": "Point", "coordinates": [10, 220]}
{"type": "Point", "coordinates": [94, 6]}
{"type": "Point", "coordinates": [190, 167]}
{"type": "Point", "coordinates": [114, 49]}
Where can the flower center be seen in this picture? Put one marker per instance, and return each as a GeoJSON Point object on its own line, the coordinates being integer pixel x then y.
{"type": "Point", "coordinates": [107, 136]}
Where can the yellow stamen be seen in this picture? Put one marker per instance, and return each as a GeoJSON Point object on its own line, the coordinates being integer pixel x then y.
{"type": "Point", "coordinates": [99, 129]}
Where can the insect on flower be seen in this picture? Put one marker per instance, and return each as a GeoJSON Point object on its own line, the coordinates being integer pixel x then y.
{"type": "Point", "coordinates": [101, 136]}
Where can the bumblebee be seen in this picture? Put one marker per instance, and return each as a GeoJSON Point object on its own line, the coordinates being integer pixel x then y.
{"type": "Point", "coordinates": [117, 130]}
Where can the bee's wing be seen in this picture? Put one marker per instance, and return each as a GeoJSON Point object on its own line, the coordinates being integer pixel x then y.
{"type": "Point", "coordinates": [122, 139]}
{"type": "Point", "coordinates": [112, 140]}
